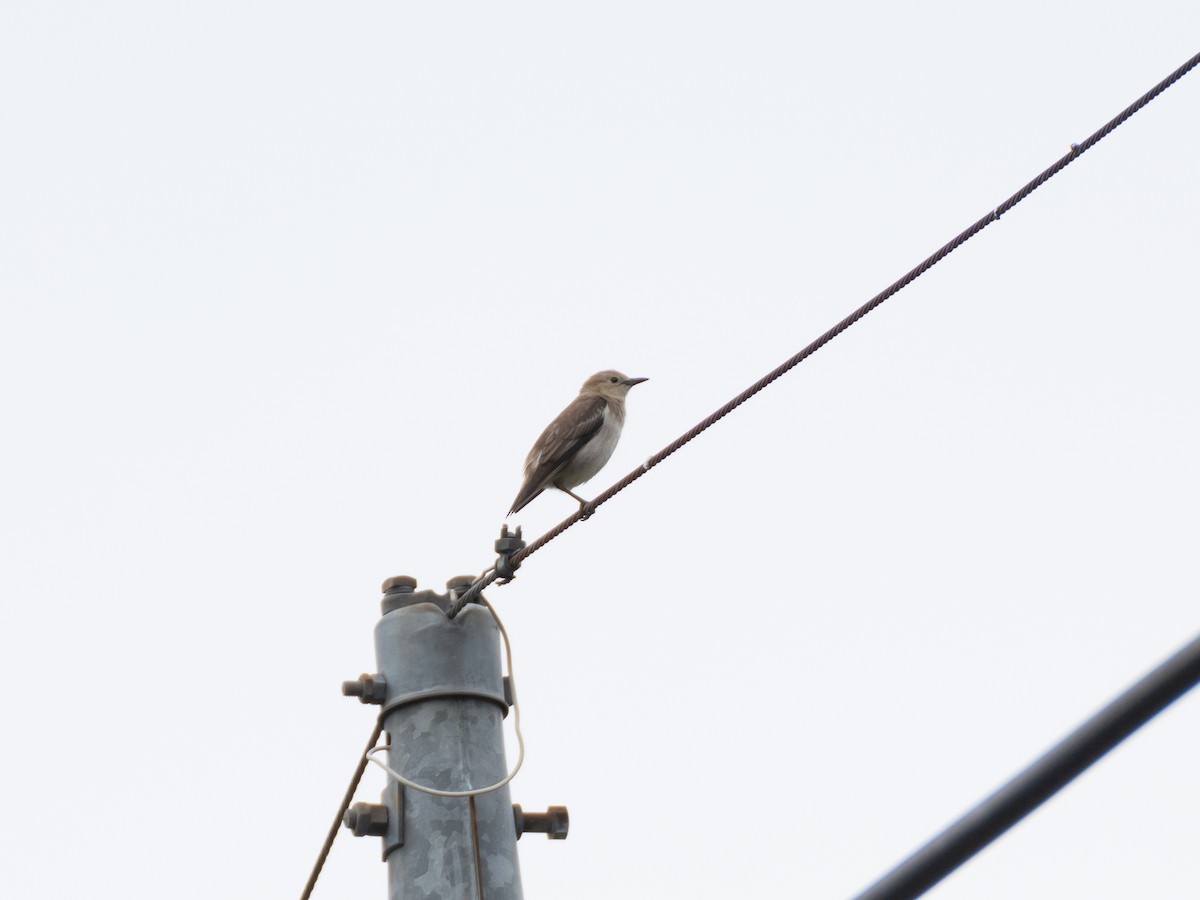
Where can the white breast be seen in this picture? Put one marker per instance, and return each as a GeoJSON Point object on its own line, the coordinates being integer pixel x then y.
{"type": "Point", "coordinates": [593, 455]}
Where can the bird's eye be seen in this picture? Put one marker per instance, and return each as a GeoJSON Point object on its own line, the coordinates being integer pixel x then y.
{"type": "Point", "coordinates": [614, 379]}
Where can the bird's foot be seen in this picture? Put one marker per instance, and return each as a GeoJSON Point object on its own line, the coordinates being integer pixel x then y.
{"type": "Point", "coordinates": [586, 509]}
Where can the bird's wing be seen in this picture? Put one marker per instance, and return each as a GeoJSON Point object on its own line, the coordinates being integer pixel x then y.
{"type": "Point", "coordinates": [561, 440]}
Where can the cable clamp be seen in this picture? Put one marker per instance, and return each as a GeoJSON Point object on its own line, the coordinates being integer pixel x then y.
{"type": "Point", "coordinates": [506, 546]}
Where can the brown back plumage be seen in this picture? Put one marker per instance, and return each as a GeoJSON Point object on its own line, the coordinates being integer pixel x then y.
{"type": "Point", "coordinates": [563, 437]}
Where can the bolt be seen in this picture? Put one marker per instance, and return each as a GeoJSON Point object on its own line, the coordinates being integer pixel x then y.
{"type": "Point", "coordinates": [366, 818]}
{"type": "Point", "coordinates": [460, 583]}
{"type": "Point", "coordinates": [509, 542]}
{"type": "Point", "coordinates": [368, 688]}
{"type": "Point", "coordinates": [553, 823]}
{"type": "Point", "coordinates": [400, 584]}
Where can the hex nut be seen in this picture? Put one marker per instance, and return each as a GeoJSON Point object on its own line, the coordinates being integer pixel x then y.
{"type": "Point", "coordinates": [368, 688]}
{"type": "Point", "coordinates": [400, 584]}
{"type": "Point", "coordinates": [554, 822]}
{"type": "Point", "coordinates": [366, 819]}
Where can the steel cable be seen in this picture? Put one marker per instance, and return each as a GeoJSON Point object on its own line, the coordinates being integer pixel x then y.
{"type": "Point", "coordinates": [941, 253]}
{"type": "Point", "coordinates": [1044, 778]}
{"type": "Point", "coordinates": [337, 822]}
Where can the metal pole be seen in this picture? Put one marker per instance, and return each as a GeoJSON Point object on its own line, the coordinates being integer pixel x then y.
{"type": "Point", "coordinates": [999, 812]}
{"type": "Point", "coordinates": [443, 698]}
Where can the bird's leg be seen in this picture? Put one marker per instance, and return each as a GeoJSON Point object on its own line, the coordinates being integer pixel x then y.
{"type": "Point", "coordinates": [586, 508]}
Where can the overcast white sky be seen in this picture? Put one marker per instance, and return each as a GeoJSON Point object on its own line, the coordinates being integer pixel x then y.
{"type": "Point", "coordinates": [290, 288]}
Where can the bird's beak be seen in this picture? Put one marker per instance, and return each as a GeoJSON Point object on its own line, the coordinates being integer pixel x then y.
{"type": "Point", "coordinates": [632, 381]}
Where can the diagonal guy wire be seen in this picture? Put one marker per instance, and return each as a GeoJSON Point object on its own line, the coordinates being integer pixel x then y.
{"type": "Point", "coordinates": [347, 799]}
{"type": "Point", "coordinates": [1073, 154]}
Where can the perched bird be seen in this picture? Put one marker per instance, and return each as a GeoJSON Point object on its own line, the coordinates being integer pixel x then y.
{"type": "Point", "coordinates": [577, 444]}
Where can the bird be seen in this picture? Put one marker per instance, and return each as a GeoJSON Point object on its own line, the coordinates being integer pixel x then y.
{"type": "Point", "coordinates": [577, 444]}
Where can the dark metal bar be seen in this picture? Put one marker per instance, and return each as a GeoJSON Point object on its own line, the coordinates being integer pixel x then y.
{"type": "Point", "coordinates": [999, 812]}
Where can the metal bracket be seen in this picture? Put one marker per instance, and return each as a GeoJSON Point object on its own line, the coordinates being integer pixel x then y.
{"type": "Point", "coordinates": [393, 799]}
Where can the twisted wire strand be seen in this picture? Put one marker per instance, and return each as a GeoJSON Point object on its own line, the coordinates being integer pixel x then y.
{"type": "Point", "coordinates": [337, 822]}
{"type": "Point", "coordinates": [895, 287]}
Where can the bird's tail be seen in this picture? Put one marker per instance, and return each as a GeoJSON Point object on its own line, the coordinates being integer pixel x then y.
{"type": "Point", "coordinates": [525, 497]}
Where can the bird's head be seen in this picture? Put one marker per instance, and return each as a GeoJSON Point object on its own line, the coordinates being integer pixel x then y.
{"type": "Point", "coordinates": [610, 383]}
